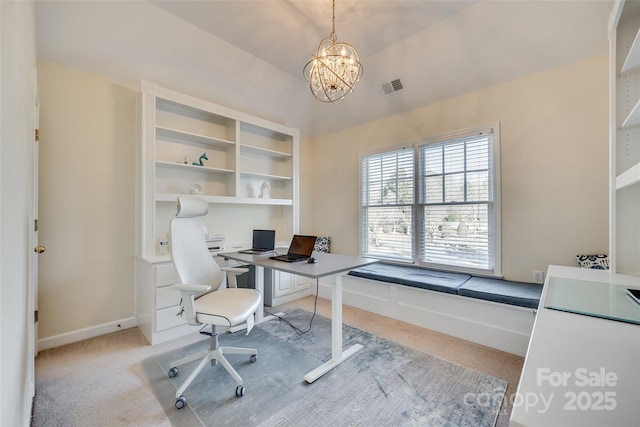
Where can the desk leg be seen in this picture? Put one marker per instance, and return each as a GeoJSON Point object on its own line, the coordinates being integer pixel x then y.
{"type": "Point", "coordinates": [261, 273]}
{"type": "Point", "coordinates": [337, 355]}
{"type": "Point", "coordinates": [259, 281]}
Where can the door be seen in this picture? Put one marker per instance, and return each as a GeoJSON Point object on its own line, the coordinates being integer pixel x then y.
{"type": "Point", "coordinates": [37, 248]}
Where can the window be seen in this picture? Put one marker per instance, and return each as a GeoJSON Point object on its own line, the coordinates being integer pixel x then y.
{"type": "Point", "coordinates": [434, 203]}
{"type": "Point", "coordinates": [387, 204]}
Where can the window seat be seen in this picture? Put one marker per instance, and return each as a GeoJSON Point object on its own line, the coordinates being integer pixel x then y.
{"type": "Point", "coordinates": [488, 289]}
{"type": "Point", "coordinates": [503, 291]}
{"type": "Point", "coordinates": [491, 312]}
{"type": "Point", "coordinates": [413, 276]}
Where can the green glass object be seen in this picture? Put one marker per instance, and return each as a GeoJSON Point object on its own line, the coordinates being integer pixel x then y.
{"type": "Point", "coordinates": [200, 163]}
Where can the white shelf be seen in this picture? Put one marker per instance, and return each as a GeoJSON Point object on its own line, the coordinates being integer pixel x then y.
{"type": "Point", "coordinates": [633, 119]}
{"type": "Point", "coordinates": [257, 201]}
{"type": "Point", "coordinates": [632, 63]}
{"type": "Point", "coordinates": [184, 166]}
{"type": "Point", "coordinates": [629, 177]}
{"type": "Point", "coordinates": [249, 149]}
{"type": "Point", "coordinates": [173, 197]}
{"type": "Point", "coordinates": [192, 137]}
{"type": "Point", "coordinates": [266, 176]}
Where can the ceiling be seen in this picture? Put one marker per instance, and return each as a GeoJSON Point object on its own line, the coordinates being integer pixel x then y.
{"type": "Point", "coordinates": [439, 48]}
{"type": "Point", "coordinates": [286, 33]}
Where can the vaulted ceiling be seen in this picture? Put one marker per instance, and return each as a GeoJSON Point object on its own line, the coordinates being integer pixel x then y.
{"type": "Point", "coordinates": [439, 49]}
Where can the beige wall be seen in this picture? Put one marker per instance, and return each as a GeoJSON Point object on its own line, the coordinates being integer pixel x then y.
{"type": "Point", "coordinates": [306, 187]}
{"type": "Point", "coordinates": [87, 196]}
{"type": "Point", "coordinates": [554, 150]}
{"type": "Point", "coordinates": [554, 180]}
{"type": "Point", "coordinates": [87, 191]}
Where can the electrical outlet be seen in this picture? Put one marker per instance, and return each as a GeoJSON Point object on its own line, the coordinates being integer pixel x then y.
{"type": "Point", "coordinates": [537, 276]}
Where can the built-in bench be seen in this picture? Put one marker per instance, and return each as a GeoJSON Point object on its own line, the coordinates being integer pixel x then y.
{"type": "Point", "coordinates": [492, 312]}
{"type": "Point", "coordinates": [496, 290]}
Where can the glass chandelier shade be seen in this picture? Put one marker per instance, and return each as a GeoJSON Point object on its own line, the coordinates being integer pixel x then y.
{"type": "Point", "coordinates": [334, 70]}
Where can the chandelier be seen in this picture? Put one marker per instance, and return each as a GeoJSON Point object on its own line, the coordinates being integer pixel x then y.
{"type": "Point", "coordinates": [334, 70]}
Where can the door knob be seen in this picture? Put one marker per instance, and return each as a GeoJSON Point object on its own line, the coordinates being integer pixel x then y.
{"type": "Point", "coordinates": [39, 249]}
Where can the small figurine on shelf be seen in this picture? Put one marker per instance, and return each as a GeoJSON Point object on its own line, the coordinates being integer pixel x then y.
{"type": "Point", "coordinates": [203, 157]}
{"type": "Point", "coordinates": [195, 189]}
{"type": "Point", "coordinates": [264, 190]}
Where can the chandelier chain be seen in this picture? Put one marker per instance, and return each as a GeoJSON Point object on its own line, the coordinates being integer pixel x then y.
{"type": "Point", "coordinates": [333, 22]}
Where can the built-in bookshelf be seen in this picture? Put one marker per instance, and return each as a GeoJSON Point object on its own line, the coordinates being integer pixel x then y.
{"type": "Point", "coordinates": [192, 146]}
{"type": "Point", "coordinates": [244, 166]}
{"type": "Point", "coordinates": [624, 55]}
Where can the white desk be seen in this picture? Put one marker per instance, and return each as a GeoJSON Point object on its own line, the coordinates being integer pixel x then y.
{"type": "Point", "coordinates": [581, 370]}
{"type": "Point", "coordinates": [327, 265]}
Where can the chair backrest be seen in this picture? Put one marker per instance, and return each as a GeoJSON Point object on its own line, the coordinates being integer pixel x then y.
{"type": "Point", "coordinates": [191, 257]}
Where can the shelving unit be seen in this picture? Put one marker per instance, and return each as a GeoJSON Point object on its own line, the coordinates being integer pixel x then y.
{"type": "Point", "coordinates": [248, 175]}
{"type": "Point", "coordinates": [624, 70]}
{"type": "Point", "coordinates": [249, 160]}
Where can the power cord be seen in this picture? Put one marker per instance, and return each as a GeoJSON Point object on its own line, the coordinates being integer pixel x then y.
{"type": "Point", "coordinates": [294, 327]}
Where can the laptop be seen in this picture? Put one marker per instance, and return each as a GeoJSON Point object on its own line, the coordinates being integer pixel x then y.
{"type": "Point", "coordinates": [263, 241]}
{"type": "Point", "coordinates": [300, 249]}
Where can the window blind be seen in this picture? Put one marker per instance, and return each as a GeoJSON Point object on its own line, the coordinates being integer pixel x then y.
{"type": "Point", "coordinates": [387, 204]}
{"type": "Point", "coordinates": [456, 202]}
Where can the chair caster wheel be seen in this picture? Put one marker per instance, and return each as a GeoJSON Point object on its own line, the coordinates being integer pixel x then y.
{"type": "Point", "coordinates": [239, 391]}
{"type": "Point", "coordinates": [173, 372]}
{"type": "Point", "coordinates": [180, 402]}
{"type": "Point", "coordinates": [253, 358]}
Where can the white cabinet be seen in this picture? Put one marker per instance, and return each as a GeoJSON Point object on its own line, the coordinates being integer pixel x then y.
{"type": "Point", "coordinates": [158, 304]}
{"type": "Point", "coordinates": [624, 70]}
{"type": "Point", "coordinates": [285, 287]}
{"type": "Point", "coordinates": [581, 370]}
{"type": "Point", "coordinates": [244, 166]}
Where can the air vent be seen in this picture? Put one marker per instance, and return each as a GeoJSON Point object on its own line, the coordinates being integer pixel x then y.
{"type": "Point", "coordinates": [392, 86]}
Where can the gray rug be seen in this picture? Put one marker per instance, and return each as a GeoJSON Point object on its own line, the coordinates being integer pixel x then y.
{"type": "Point", "coordinates": [385, 384]}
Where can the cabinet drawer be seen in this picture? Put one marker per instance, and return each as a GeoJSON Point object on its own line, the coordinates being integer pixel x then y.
{"type": "Point", "coordinates": [166, 275]}
{"type": "Point", "coordinates": [167, 297]}
{"type": "Point", "coordinates": [166, 318]}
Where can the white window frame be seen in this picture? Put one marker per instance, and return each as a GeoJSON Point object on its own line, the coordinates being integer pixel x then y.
{"type": "Point", "coordinates": [416, 225]}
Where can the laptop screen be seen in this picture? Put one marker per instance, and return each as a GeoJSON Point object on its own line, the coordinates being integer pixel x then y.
{"type": "Point", "coordinates": [302, 245]}
{"type": "Point", "coordinates": [264, 239]}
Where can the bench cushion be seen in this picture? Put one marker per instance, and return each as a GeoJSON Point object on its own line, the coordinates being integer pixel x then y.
{"type": "Point", "coordinates": [504, 291]}
{"type": "Point", "coordinates": [413, 276]}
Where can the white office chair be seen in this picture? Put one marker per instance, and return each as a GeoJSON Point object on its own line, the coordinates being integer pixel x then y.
{"type": "Point", "coordinates": [204, 302]}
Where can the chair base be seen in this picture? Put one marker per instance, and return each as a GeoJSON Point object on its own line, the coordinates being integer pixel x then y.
{"type": "Point", "coordinates": [213, 355]}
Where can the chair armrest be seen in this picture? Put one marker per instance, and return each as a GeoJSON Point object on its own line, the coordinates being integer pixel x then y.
{"type": "Point", "coordinates": [232, 272]}
{"type": "Point", "coordinates": [191, 288]}
{"type": "Point", "coordinates": [236, 270]}
{"type": "Point", "coordinates": [187, 306]}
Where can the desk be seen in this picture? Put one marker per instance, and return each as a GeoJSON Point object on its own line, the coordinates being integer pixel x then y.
{"type": "Point", "coordinates": [580, 370]}
{"type": "Point", "coordinates": [327, 265]}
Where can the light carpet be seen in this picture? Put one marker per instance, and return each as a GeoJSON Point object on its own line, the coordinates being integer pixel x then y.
{"type": "Point", "coordinates": [385, 384]}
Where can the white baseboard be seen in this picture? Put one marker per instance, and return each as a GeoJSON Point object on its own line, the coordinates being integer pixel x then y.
{"type": "Point", "coordinates": [85, 333]}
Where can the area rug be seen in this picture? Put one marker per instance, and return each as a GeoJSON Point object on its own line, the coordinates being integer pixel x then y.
{"type": "Point", "coordinates": [385, 384]}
